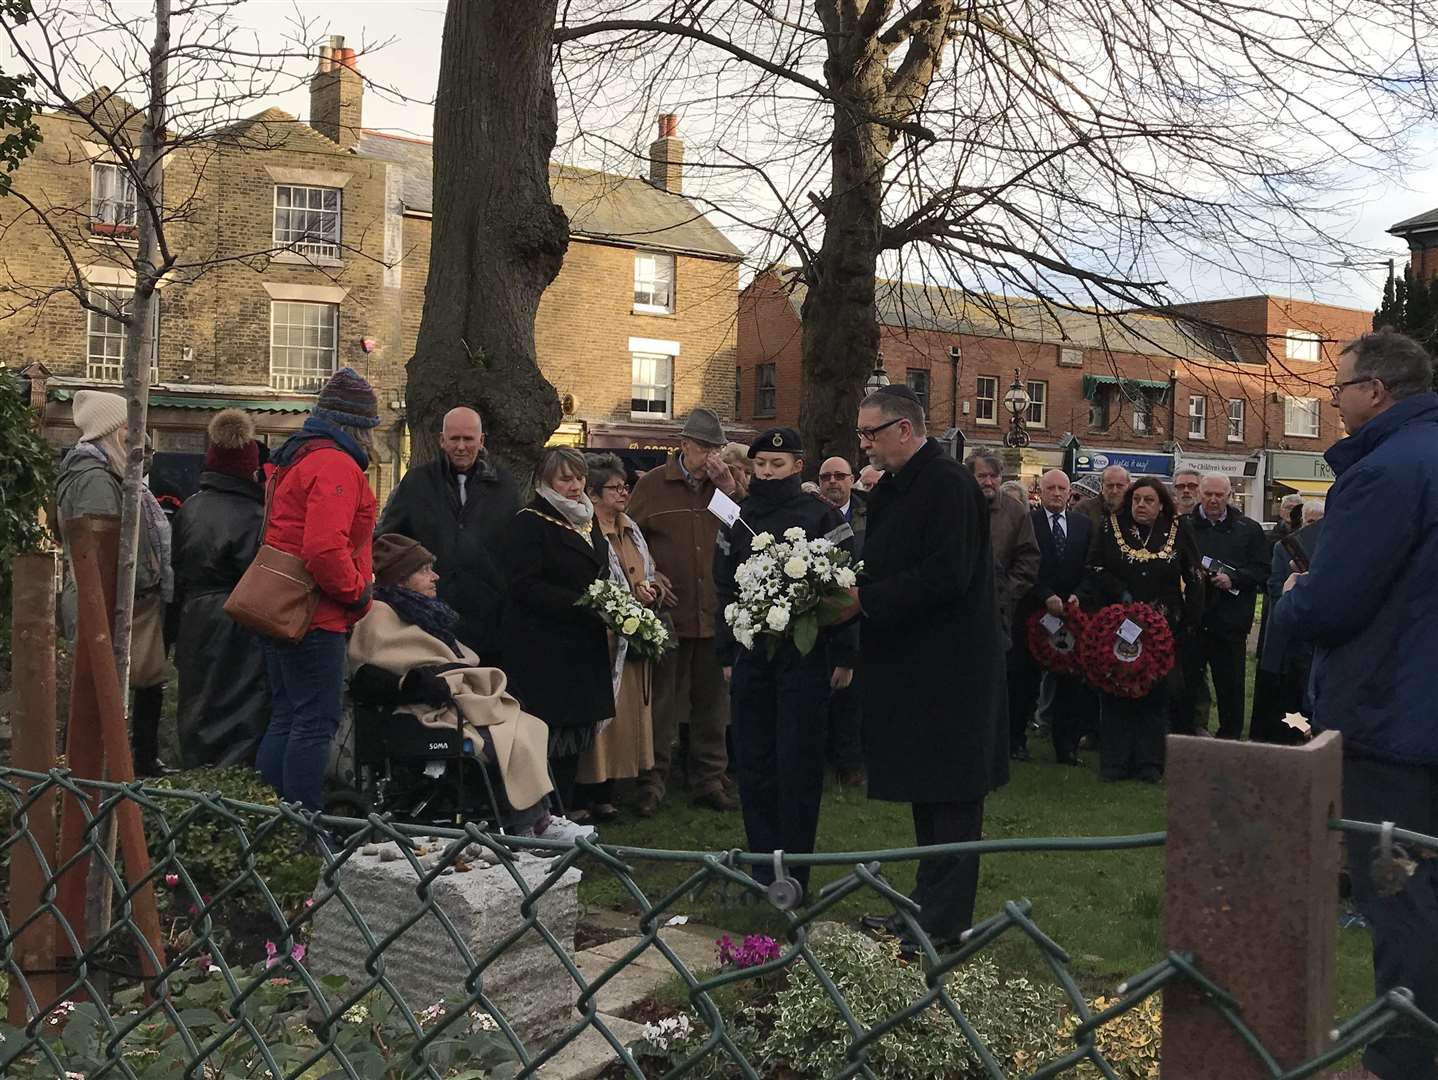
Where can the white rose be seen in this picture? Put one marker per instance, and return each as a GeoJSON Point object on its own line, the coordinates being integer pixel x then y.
{"type": "Point", "coordinates": [762, 541]}
{"type": "Point", "coordinates": [630, 625]}
{"type": "Point", "coordinates": [744, 637]}
{"type": "Point", "coordinates": [796, 567]}
{"type": "Point", "coordinates": [844, 577]}
{"type": "Point", "coordinates": [794, 533]}
{"type": "Point", "coordinates": [778, 618]}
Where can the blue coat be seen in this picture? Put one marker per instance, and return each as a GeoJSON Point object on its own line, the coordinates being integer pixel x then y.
{"type": "Point", "coordinates": [1368, 601]}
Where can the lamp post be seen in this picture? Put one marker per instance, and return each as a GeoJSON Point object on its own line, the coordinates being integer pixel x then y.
{"type": "Point", "coordinates": [878, 379]}
{"type": "Point", "coordinates": [1017, 401]}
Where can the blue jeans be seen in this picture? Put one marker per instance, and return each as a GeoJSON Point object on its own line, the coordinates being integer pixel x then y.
{"type": "Point", "coordinates": [307, 683]}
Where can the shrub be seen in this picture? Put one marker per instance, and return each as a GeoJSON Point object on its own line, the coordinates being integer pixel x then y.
{"type": "Point", "coordinates": [209, 847]}
{"type": "Point", "coordinates": [372, 1034]}
{"type": "Point", "coordinates": [27, 483]}
{"type": "Point", "coordinates": [1012, 1016]}
{"type": "Point", "coordinates": [1130, 1043]}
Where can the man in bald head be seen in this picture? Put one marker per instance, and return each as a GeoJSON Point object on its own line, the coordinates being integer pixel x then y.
{"type": "Point", "coordinates": [456, 506]}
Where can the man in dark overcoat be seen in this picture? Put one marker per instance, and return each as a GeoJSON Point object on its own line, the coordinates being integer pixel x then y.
{"type": "Point", "coordinates": [932, 653]}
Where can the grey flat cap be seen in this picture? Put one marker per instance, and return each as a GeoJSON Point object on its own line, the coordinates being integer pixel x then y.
{"type": "Point", "coordinates": [702, 425]}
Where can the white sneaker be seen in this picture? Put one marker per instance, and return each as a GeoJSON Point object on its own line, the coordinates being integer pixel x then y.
{"type": "Point", "coordinates": [561, 828]}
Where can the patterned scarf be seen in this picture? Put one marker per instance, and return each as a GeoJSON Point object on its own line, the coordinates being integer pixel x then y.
{"type": "Point", "coordinates": [433, 616]}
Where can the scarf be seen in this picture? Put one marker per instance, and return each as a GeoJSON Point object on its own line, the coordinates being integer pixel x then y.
{"type": "Point", "coordinates": [153, 522]}
{"type": "Point", "coordinates": [316, 428]}
{"type": "Point", "coordinates": [579, 513]}
{"type": "Point", "coordinates": [433, 616]}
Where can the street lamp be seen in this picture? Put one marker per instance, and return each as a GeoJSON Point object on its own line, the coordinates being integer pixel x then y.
{"type": "Point", "coordinates": [1017, 401]}
{"type": "Point", "coordinates": [879, 379]}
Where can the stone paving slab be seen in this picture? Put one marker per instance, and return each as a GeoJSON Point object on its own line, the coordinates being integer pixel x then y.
{"type": "Point", "coordinates": [695, 949]}
{"type": "Point", "coordinates": [588, 1055]}
{"type": "Point", "coordinates": [627, 988]}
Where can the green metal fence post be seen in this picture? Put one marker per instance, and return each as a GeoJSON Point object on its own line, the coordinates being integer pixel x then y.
{"type": "Point", "coordinates": [1252, 894]}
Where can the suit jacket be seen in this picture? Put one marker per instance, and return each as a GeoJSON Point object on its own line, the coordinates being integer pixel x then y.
{"type": "Point", "coordinates": [858, 520]}
{"type": "Point", "coordinates": [1060, 576]}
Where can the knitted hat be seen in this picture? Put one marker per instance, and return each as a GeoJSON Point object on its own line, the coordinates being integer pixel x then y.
{"type": "Point", "coordinates": [98, 413]}
{"type": "Point", "coordinates": [232, 450]}
{"type": "Point", "coordinates": [396, 557]}
{"type": "Point", "coordinates": [347, 399]}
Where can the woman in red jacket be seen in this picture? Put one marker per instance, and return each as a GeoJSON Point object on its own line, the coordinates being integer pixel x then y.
{"type": "Point", "coordinates": [321, 509]}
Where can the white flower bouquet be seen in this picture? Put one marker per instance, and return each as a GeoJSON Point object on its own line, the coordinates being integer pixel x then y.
{"type": "Point", "coordinates": [627, 617]}
{"type": "Point", "coordinates": [789, 589]}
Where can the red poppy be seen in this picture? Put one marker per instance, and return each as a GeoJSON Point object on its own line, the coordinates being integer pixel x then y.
{"type": "Point", "coordinates": [1117, 668]}
{"type": "Point", "coordinates": [1058, 652]}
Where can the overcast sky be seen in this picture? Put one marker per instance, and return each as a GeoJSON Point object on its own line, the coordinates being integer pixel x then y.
{"type": "Point", "coordinates": [402, 61]}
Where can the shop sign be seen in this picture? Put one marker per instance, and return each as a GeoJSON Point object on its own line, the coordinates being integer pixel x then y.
{"type": "Point", "coordinates": [1294, 465]}
{"type": "Point", "coordinates": [1224, 466]}
{"type": "Point", "coordinates": [1138, 464]}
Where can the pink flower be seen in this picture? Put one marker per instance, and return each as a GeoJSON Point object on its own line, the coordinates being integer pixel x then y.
{"type": "Point", "coordinates": [272, 954]}
{"type": "Point", "coordinates": [297, 953]}
{"type": "Point", "coordinates": [172, 880]}
{"type": "Point", "coordinates": [756, 949]}
{"type": "Point", "coordinates": [309, 901]}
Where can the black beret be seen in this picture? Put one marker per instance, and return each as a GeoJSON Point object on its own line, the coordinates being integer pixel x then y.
{"type": "Point", "coordinates": [898, 390]}
{"type": "Point", "coordinates": [777, 440]}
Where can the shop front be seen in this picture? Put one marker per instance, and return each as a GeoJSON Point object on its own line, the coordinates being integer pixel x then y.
{"type": "Point", "coordinates": [1245, 473]}
{"type": "Point", "coordinates": [1033, 461]}
{"type": "Point", "coordinates": [1137, 462]}
{"type": "Point", "coordinates": [1291, 472]}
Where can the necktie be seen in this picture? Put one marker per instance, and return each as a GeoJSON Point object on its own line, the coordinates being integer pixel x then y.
{"type": "Point", "coordinates": [461, 478]}
{"type": "Point", "coordinates": [1060, 537]}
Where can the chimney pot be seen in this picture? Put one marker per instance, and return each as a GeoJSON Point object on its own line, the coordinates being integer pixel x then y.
{"type": "Point", "coordinates": [336, 94]}
{"type": "Point", "coordinates": [668, 125]}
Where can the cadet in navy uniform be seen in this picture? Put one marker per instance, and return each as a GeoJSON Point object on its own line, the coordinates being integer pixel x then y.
{"type": "Point", "coordinates": [780, 705]}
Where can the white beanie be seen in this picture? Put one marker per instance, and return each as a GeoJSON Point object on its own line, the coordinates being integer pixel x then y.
{"type": "Point", "coordinates": [98, 413]}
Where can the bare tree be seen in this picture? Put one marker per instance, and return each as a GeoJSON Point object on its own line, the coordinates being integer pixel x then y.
{"type": "Point", "coordinates": [180, 87]}
{"type": "Point", "coordinates": [1084, 153]}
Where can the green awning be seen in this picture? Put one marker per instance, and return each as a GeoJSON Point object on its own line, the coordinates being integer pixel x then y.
{"type": "Point", "coordinates": [1091, 383]}
{"type": "Point", "coordinates": [164, 400]}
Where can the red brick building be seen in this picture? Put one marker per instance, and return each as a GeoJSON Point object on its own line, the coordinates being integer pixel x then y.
{"type": "Point", "coordinates": [1420, 233]}
{"type": "Point", "coordinates": [1223, 385]}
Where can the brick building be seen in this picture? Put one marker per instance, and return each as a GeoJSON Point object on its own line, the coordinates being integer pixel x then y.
{"type": "Point", "coordinates": [1235, 385]}
{"type": "Point", "coordinates": [305, 247]}
{"type": "Point", "coordinates": [1420, 233]}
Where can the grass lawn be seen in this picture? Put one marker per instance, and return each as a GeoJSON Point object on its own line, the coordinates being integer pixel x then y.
{"type": "Point", "coordinates": [1104, 908]}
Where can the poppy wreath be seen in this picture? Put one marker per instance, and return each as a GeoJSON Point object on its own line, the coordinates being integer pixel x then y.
{"type": "Point", "coordinates": [1058, 653]}
{"type": "Point", "coordinates": [1120, 670]}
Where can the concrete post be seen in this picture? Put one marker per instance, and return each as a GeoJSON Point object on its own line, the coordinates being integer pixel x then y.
{"type": "Point", "coordinates": [1251, 890]}
{"type": "Point", "coordinates": [32, 748]}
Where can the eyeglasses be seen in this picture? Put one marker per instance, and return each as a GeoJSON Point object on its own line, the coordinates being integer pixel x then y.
{"type": "Point", "coordinates": [615, 487]}
{"type": "Point", "coordinates": [836, 476]}
{"type": "Point", "coordinates": [1337, 388]}
{"type": "Point", "coordinates": [867, 434]}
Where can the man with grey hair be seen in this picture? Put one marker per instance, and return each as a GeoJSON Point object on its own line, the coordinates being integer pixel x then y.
{"type": "Point", "coordinates": [1112, 485]}
{"type": "Point", "coordinates": [1367, 604]}
{"type": "Point", "coordinates": [1185, 489]}
{"type": "Point", "coordinates": [934, 696]}
{"type": "Point", "coordinates": [1236, 556]}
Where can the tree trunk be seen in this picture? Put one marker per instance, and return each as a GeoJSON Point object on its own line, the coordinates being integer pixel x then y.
{"type": "Point", "coordinates": [840, 324]}
{"type": "Point", "coordinates": [498, 237]}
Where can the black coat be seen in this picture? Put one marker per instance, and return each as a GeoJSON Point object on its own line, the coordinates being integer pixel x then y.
{"type": "Point", "coordinates": [773, 506]}
{"type": "Point", "coordinates": [556, 655]}
{"type": "Point", "coordinates": [1175, 585]}
{"type": "Point", "coordinates": [224, 702]}
{"type": "Point", "coordinates": [464, 540]}
{"type": "Point", "coordinates": [1239, 542]}
{"type": "Point", "coordinates": [933, 659]}
{"type": "Point", "coordinates": [1059, 577]}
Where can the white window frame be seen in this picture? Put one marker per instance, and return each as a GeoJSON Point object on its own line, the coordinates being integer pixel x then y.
{"type": "Point", "coordinates": [986, 392]}
{"type": "Point", "coordinates": [766, 381]}
{"type": "Point", "coordinates": [303, 377]}
{"type": "Point", "coordinates": [1197, 416]}
{"type": "Point", "coordinates": [108, 364]}
{"type": "Point", "coordinates": [653, 294]}
{"type": "Point", "coordinates": [1142, 414]}
{"type": "Point", "coordinates": [117, 213]}
{"type": "Point", "coordinates": [1235, 419]}
{"type": "Point", "coordinates": [1292, 417]}
{"type": "Point", "coordinates": [1302, 345]}
{"type": "Point", "coordinates": [311, 236]}
{"type": "Point", "coordinates": [661, 382]}
{"type": "Point", "coordinates": [1038, 410]}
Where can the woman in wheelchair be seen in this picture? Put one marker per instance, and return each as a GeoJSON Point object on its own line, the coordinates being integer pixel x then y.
{"type": "Point", "coordinates": [405, 657]}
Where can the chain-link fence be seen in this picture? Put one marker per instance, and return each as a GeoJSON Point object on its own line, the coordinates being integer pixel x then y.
{"type": "Point", "coordinates": [302, 947]}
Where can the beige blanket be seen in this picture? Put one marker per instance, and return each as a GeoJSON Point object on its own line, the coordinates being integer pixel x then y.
{"type": "Point", "coordinates": [521, 741]}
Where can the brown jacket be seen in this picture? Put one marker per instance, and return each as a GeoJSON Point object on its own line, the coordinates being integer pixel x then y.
{"type": "Point", "coordinates": [676, 522]}
{"type": "Point", "coordinates": [1016, 555]}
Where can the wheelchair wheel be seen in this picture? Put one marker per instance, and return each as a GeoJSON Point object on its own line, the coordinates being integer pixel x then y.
{"type": "Point", "coordinates": [347, 802]}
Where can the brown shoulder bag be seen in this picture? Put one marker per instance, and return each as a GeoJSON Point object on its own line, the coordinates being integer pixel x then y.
{"type": "Point", "coordinates": [276, 596]}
